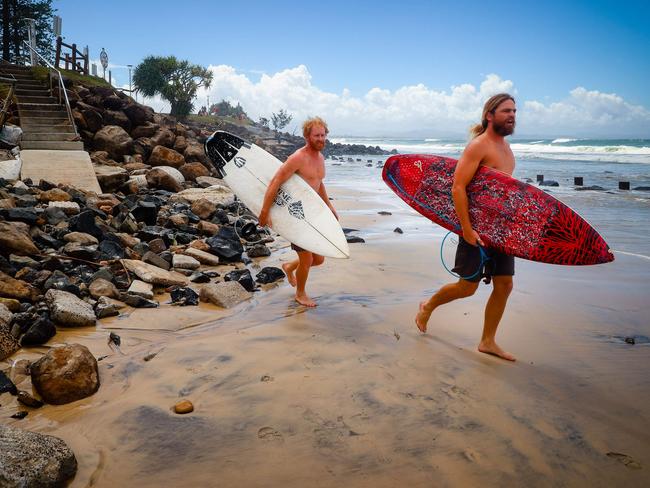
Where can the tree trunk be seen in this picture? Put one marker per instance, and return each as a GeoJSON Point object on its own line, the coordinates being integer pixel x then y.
{"type": "Point", "coordinates": [15, 30]}
{"type": "Point", "coordinates": [6, 30]}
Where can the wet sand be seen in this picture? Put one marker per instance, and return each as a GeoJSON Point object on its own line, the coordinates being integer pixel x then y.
{"type": "Point", "coordinates": [351, 394]}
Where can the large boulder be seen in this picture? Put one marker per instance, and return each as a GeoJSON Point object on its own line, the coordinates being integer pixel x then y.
{"type": "Point", "coordinates": [163, 156]}
{"type": "Point", "coordinates": [143, 146]}
{"type": "Point", "coordinates": [192, 171]}
{"type": "Point", "coordinates": [114, 140]}
{"type": "Point", "coordinates": [30, 459]}
{"type": "Point", "coordinates": [15, 239]}
{"type": "Point", "coordinates": [65, 374]}
{"type": "Point", "coordinates": [165, 179]}
{"type": "Point", "coordinates": [138, 114]}
{"type": "Point", "coordinates": [195, 152]}
{"type": "Point", "coordinates": [68, 310]}
{"type": "Point", "coordinates": [117, 117]}
{"type": "Point", "coordinates": [164, 137]}
{"type": "Point", "coordinates": [145, 130]}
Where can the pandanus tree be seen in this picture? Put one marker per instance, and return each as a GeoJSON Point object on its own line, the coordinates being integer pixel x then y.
{"type": "Point", "coordinates": [173, 80]}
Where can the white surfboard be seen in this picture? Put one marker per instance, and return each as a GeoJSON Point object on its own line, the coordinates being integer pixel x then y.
{"type": "Point", "coordinates": [298, 213]}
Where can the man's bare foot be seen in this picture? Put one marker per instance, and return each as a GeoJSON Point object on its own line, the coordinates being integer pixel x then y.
{"type": "Point", "coordinates": [493, 349]}
{"type": "Point", "coordinates": [422, 318]}
{"type": "Point", "coordinates": [291, 275]}
{"type": "Point", "coordinates": [306, 301]}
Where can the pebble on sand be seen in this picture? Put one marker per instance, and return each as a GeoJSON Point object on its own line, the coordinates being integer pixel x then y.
{"type": "Point", "coordinates": [184, 406]}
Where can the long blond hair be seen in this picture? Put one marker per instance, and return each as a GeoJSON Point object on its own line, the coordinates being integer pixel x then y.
{"type": "Point", "coordinates": [490, 107]}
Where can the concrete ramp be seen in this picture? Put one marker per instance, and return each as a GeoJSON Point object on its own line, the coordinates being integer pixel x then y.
{"type": "Point", "coordinates": [72, 168]}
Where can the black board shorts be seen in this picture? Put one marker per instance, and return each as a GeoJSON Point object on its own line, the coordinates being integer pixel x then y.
{"type": "Point", "coordinates": [468, 262]}
{"type": "Point", "coordinates": [298, 248]}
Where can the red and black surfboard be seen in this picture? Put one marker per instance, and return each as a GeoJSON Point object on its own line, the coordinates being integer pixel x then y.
{"type": "Point", "coordinates": [510, 216]}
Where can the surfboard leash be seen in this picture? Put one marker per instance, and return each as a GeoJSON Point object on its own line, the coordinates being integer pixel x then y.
{"type": "Point", "coordinates": [484, 259]}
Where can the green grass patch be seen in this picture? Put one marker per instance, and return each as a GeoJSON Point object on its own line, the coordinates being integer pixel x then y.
{"type": "Point", "coordinates": [41, 73]}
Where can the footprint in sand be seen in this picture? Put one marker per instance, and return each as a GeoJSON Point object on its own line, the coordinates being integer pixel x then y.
{"type": "Point", "coordinates": [269, 434]}
{"type": "Point", "coordinates": [625, 459]}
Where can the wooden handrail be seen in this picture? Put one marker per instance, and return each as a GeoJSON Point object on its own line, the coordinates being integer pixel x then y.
{"type": "Point", "coordinates": [8, 98]}
{"type": "Point", "coordinates": [71, 57]}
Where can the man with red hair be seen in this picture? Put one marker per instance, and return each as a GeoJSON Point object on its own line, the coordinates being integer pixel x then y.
{"type": "Point", "coordinates": [308, 163]}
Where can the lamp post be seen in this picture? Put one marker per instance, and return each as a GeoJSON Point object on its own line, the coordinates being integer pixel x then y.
{"type": "Point", "coordinates": [130, 88]}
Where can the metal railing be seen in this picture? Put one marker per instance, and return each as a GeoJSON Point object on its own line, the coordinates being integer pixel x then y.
{"type": "Point", "coordinates": [7, 102]}
{"type": "Point", "coordinates": [61, 85]}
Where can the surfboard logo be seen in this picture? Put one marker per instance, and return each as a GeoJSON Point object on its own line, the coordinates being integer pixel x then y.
{"type": "Point", "coordinates": [418, 164]}
{"type": "Point", "coordinates": [240, 162]}
{"type": "Point", "coordinates": [296, 210]}
{"type": "Point", "coordinates": [282, 198]}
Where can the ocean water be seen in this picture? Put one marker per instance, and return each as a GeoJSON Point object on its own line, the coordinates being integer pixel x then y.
{"type": "Point", "coordinates": [622, 217]}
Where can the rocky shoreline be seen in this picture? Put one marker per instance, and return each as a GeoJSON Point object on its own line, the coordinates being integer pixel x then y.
{"type": "Point", "coordinates": [69, 258]}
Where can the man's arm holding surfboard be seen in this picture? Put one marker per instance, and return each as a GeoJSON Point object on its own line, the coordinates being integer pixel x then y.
{"type": "Point", "coordinates": [290, 166]}
{"type": "Point", "coordinates": [465, 169]}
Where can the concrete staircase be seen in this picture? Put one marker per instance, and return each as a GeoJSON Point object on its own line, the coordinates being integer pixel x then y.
{"type": "Point", "coordinates": [44, 122]}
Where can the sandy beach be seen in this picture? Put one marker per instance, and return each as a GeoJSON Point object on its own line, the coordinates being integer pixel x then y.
{"type": "Point", "coordinates": [351, 394]}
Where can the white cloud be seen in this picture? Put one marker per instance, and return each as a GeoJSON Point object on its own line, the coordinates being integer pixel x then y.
{"type": "Point", "coordinates": [418, 108]}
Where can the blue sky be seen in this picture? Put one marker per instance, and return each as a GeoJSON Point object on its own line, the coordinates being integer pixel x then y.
{"type": "Point", "coordinates": [337, 52]}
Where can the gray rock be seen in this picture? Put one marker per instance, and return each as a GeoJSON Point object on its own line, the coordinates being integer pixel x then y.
{"type": "Point", "coordinates": [141, 288]}
{"type": "Point", "coordinates": [81, 238]}
{"type": "Point", "coordinates": [68, 310]}
{"type": "Point", "coordinates": [103, 288]}
{"type": "Point", "coordinates": [152, 274]}
{"type": "Point", "coordinates": [202, 256]}
{"type": "Point", "coordinates": [185, 262]}
{"type": "Point", "coordinates": [30, 459]}
{"type": "Point", "coordinates": [225, 294]}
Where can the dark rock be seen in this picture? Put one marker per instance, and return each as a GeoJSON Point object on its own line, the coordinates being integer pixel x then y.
{"type": "Point", "coordinates": [589, 188]}
{"type": "Point", "coordinates": [199, 277]}
{"type": "Point", "coordinates": [226, 245]}
{"type": "Point", "coordinates": [354, 239]}
{"type": "Point", "coordinates": [111, 249]}
{"type": "Point", "coordinates": [549, 183]}
{"type": "Point", "coordinates": [21, 414]}
{"type": "Point", "coordinates": [6, 267]}
{"type": "Point", "coordinates": [136, 301]}
{"type": "Point", "coordinates": [398, 230]}
{"type": "Point", "coordinates": [269, 274]}
{"type": "Point", "coordinates": [60, 281]}
{"type": "Point", "coordinates": [153, 258]}
{"type": "Point", "coordinates": [27, 215]}
{"type": "Point", "coordinates": [28, 400]}
{"type": "Point", "coordinates": [243, 277]}
{"type": "Point", "coordinates": [641, 188]}
{"type": "Point", "coordinates": [383, 212]}
{"type": "Point", "coordinates": [630, 340]}
{"type": "Point", "coordinates": [38, 332]}
{"type": "Point", "coordinates": [6, 385]}
{"type": "Point", "coordinates": [146, 212]}
{"type": "Point", "coordinates": [54, 215]}
{"type": "Point", "coordinates": [183, 296]}
{"type": "Point", "coordinates": [85, 222]}
{"type": "Point", "coordinates": [258, 251]}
